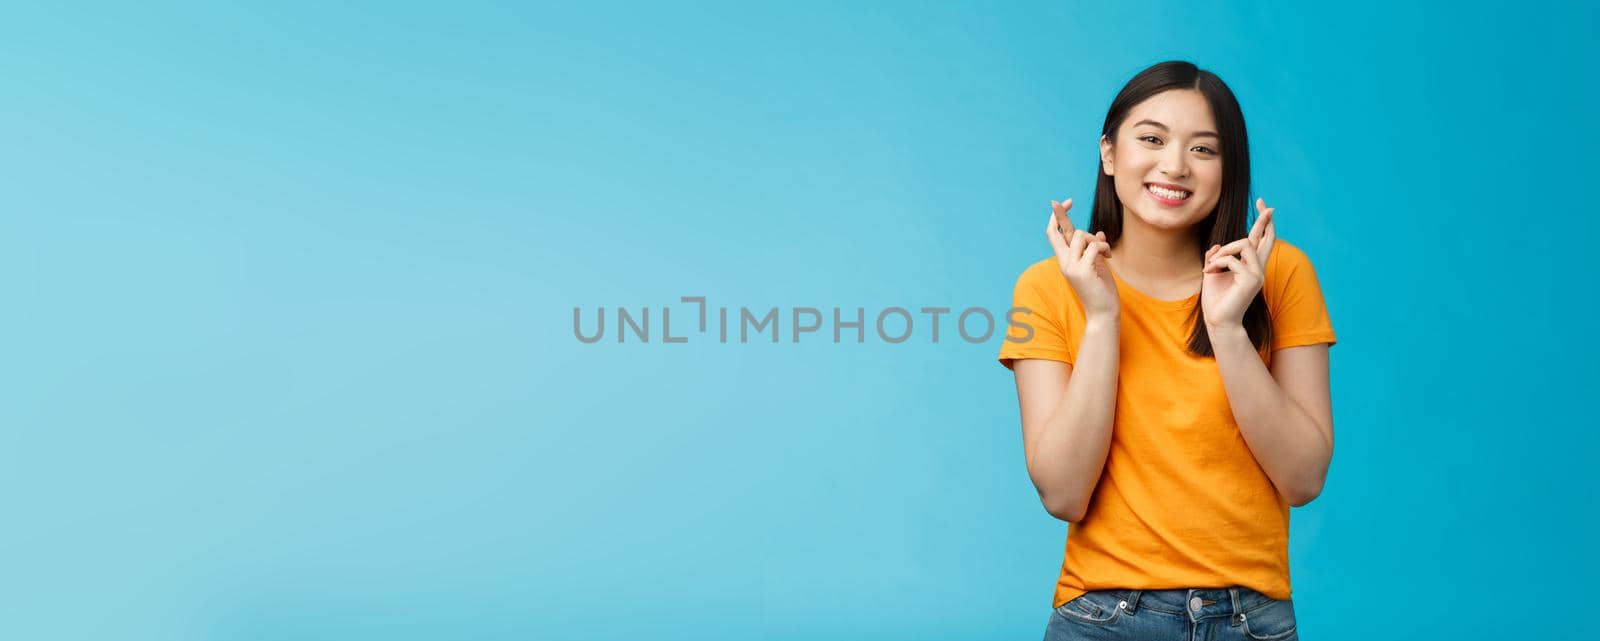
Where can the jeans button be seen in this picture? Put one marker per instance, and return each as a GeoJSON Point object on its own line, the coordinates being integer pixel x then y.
{"type": "Point", "coordinates": [1194, 604]}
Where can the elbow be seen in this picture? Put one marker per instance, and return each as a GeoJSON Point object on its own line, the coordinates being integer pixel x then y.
{"type": "Point", "coordinates": [1069, 511]}
{"type": "Point", "coordinates": [1304, 495]}
{"type": "Point", "coordinates": [1062, 498]}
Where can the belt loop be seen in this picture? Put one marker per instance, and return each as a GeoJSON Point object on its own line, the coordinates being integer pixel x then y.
{"type": "Point", "coordinates": [1235, 618]}
{"type": "Point", "coordinates": [1133, 601]}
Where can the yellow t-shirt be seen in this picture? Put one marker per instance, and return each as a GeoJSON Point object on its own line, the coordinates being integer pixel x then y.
{"type": "Point", "coordinates": [1182, 502]}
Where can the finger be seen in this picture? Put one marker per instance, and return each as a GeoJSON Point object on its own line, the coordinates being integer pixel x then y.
{"type": "Point", "coordinates": [1079, 241]}
{"type": "Point", "coordinates": [1252, 262]}
{"type": "Point", "coordinates": [1096, 251]}
{"type": "Point", "coordinates": [1220, 257]}
{"type": "Point", "coordinates": [1052, 231]}
{"type": "Point", "coordinates": [1062, 210]}
{"type": "Point", "coordinates": [1259, 227]}
{"type": "Point", "coordinates": [1225, 263]}
{"type": "Point", "coordinates": [1263, 223]}
{"type": "Point", "coordinates": [1267, 238]}
{"type": "Point", "coordinates": [1235, 247]}
{"type": "Point", "coordinates": [1213, 264]}
{"type": "Point", "coordinates": [1233, 265]}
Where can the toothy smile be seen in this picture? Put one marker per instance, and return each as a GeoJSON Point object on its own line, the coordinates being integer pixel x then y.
{"type": "Point", "coordinates": [1167, 193]}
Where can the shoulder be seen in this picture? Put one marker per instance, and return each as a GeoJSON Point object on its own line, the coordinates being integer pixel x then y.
{"type": "Point", "coordinates": [1044, 279]}
{"type": "Point", "coordinates": [1044, 288]}
{"type": "Point", "coordinates": [1286, 256]}
{"type": "Point", "coordinates": [1290, 277]}
{"type": "Point", "coordinates": [1041, 272]}
{"type": "Point", "coordinates": [1294, 299]}
{"type": "Point", "coordinates": [1287, 266]}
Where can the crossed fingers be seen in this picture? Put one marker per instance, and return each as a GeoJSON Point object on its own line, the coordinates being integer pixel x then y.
{"type": "Point", "coordinates": [1254, 249]}
{"type": "Point", "coordinates": [1073, 246]}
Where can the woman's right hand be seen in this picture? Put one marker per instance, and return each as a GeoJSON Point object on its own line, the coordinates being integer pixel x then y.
{"type": "Point", "coordinates": [1083, 262]}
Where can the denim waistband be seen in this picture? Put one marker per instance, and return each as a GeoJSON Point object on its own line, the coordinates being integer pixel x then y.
{"type": "Point", "coordinates": [1196, 603]}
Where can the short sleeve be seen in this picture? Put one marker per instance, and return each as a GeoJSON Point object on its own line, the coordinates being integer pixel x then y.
{"type": "Point", "coordinates": [1039, 323]}
{"type": "Point", "coordinates": [1294, 299]}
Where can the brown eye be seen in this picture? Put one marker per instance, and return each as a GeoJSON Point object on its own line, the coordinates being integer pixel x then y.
{"type": "Point", "coordinates": [1153, 140]}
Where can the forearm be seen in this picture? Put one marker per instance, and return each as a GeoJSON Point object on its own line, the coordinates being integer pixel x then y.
{"type": "Point", "coordinates": [1071, 453]}
{"type": "Point", "coordinates": [1282, 436]}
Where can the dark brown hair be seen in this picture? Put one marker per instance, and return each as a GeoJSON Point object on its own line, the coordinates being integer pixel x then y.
{"type": "Point", "coordinates": [1228, 222]}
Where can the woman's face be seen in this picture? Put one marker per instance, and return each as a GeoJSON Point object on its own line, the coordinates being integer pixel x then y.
{"type": "Point", "coordinates": [1168, 142]}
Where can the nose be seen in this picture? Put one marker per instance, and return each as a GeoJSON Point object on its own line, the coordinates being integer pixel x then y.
{"type": "Point", "coordinates": [1174, 164]}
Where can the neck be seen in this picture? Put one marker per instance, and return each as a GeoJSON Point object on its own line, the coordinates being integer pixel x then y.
{"type": "Point", "coordinates": [1152, 252]}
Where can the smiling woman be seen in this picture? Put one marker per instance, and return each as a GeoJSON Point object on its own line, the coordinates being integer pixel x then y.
{"type": "Point", "coordinates": [1183, 191]}
{"type": "Point", "coordinates": [1174, 389]}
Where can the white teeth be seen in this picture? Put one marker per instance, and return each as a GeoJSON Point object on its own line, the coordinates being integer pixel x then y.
{"type": "Point", "coordinates": [1168, 193]}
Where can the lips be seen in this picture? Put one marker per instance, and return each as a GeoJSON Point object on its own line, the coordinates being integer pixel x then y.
{"type": "Point", "coordinates": [1165, 194]}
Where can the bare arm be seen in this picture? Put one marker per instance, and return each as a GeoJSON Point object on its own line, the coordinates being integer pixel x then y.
{"type": "Point", "coordinates": [1286, 415]}
{"type": "Point", "coordinates": [1066, 415]}
{"type": "Point", "coordinates": [1066, 419]}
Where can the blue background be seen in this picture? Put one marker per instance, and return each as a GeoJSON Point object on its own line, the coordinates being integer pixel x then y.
{"type": "Point", "coordinates": [288, 344]}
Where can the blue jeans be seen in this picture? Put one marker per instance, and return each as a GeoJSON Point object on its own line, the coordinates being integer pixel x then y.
{"type": "Point", "coordinates": [1210, 614]}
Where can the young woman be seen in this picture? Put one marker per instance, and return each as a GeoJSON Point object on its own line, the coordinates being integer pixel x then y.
{"type": "Point", "coordinates": [1172, 370]}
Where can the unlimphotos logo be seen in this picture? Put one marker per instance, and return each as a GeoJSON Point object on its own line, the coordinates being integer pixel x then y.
{"type": "Point", "coordinates": [892, 324]}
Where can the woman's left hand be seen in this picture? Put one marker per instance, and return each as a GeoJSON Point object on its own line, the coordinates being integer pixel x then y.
{"type": "Point", "coordinates": [1234, 272]}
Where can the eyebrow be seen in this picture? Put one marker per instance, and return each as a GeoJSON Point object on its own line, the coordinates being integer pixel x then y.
{"type": "Point", "coordinates": [1162, 127]}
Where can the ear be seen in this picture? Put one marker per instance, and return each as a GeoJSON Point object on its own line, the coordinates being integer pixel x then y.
{"type": "Point", "coordinates": [1106, 157]}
